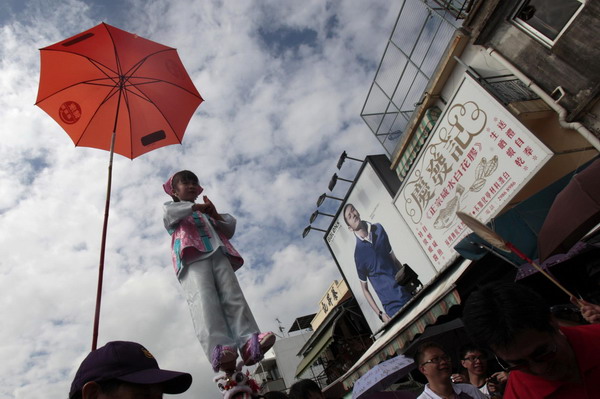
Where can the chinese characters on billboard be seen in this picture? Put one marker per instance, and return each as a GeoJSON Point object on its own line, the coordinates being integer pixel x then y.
{"type": "Point", "coordinates": [477, 159]}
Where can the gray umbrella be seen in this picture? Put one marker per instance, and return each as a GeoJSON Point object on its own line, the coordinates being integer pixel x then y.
{"type": "Point", "coordinates": [382, 376]}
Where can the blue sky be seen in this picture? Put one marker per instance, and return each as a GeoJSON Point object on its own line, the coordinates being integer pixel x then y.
{"type": "Point", "coordinates": [284, 83]}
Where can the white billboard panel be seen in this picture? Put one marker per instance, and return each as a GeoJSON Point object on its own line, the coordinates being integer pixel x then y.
{"type": "Point", "coordinates": [364, 263]}
{"type": "Point", "coordinates": [478, 157]}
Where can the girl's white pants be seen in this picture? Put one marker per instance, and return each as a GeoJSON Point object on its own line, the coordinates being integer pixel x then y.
{"type": "Point", "coordinates": [219, 310]}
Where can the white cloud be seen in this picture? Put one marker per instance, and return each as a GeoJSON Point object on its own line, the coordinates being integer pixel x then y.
{"type": "Point", "coordinates": [264, 145]}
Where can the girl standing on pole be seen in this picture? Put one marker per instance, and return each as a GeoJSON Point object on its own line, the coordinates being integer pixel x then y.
{"type": "Point", "coordinates": [205, 263]}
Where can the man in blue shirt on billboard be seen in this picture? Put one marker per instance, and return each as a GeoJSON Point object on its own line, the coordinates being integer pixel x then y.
{"type": "Point", "coordinates": [376, 262]}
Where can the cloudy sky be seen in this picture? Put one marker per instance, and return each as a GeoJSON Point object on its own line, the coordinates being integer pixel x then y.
{"type": "Point", "coordinates": [284, 84]}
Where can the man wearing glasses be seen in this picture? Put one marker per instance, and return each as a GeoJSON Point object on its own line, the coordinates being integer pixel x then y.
{"type": "Point", "coordinates": [436, 366]}
{"type": "Point", "coordinates": [475, 362]}
{"type": "Point", "coordinates": [544, 360]}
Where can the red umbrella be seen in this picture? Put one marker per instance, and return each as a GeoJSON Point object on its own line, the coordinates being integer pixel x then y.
{"type": "Point", "coordinates": [113, 90]}
{"type": "Point", "coordinates": [574, 212]}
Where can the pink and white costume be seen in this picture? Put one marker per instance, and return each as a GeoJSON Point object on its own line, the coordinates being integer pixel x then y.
{"type": "Point", "coordinates": [205, 263]}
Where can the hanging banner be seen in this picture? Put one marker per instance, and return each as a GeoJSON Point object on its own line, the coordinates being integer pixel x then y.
{"type": "Point", "coordinates": [478, 157]}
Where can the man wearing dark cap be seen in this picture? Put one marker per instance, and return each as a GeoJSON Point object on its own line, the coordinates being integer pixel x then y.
{"type": "Point", "coordinates": [124, 370]}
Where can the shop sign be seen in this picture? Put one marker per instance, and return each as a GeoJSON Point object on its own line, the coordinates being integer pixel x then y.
{"type": "Point", "coordinates": [478, 157]}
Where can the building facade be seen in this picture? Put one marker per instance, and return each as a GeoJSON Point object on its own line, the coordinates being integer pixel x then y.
{"type": "Point", "coordinates": [481, 106]}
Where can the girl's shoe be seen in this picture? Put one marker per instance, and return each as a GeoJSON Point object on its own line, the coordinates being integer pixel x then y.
{"type": "Point", "coordinates": [223, 358]}
{"type": "Point", "coordinates": [254, 349]}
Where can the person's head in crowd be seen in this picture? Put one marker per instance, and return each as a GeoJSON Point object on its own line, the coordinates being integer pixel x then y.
{"type": "Point", "coordinates": [305, 389]}
{"type": "Point", "coordinates": [433, 362]}
{"type": "Point", "coordinates": [124, 370]}
{"type": "Point", "coordinates": [516, 324]}
{"type": "Point", "coordinates": [474, 360]}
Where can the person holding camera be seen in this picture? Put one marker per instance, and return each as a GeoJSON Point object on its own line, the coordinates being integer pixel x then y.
{"type": "Point", "coordinates": [474, 360]}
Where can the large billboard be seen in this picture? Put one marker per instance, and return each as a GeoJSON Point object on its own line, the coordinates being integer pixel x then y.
{"type": "Point", "coordinates": [478, 157]}
{"type": "Point", "coordinates": [370, 242]}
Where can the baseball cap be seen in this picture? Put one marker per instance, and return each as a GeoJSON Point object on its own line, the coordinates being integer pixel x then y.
{"type": "Point", "coordinates": [128, 362]}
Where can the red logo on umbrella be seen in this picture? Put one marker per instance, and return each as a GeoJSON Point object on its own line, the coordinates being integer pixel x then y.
{"type": "Point", "coordinates": [69, 112]}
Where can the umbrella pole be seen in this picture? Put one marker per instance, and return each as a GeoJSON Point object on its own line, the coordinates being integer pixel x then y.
{"type": "Point", "coordinates": [538, 267]}
{"type": "Point", "coordinates": [103, 244]}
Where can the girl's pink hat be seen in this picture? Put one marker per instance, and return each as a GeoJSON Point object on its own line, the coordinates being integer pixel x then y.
{"type": "Point", "coordinates": [168, 187]}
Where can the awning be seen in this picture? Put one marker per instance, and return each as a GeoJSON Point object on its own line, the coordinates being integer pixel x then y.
{"type": "Point", "coordinates": [324, 341]}
{"type": "Point", "coordinates": [302, 323]}
{"type": "Point", "coordinates": [434, 304]}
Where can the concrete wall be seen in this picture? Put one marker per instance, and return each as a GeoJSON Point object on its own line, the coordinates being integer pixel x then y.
{"type": "Point", "coordinates": [285, 350]}
{"type": "Point", "coordinates": [571, 62]}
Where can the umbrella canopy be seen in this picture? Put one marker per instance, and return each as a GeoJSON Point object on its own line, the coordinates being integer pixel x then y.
{"type": "Point", "coordinates": [449, 335]}
{"type": "Point", "coordinates": [574, 212]}
{"type": "Point", "coordinates": [113, 90]}
{"type": "Point", "coordinates": [107, 80]}
{"type": "Point", "coordinates": [520, 225]}
{"type": "Point", "coordinates": [382, 376]}
{"type": "Point", "coordinates": [497, 241]}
